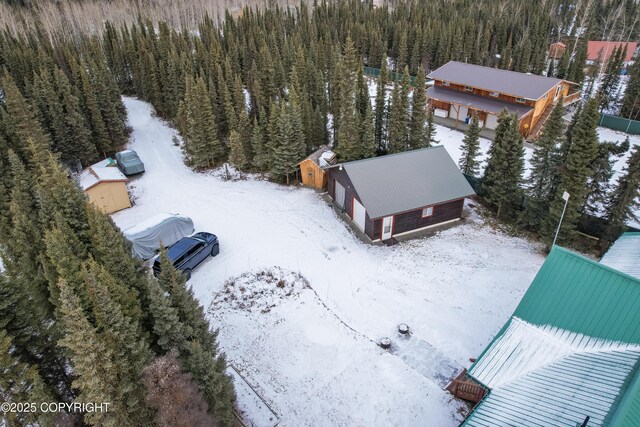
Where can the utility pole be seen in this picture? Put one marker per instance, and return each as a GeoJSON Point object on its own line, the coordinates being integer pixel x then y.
{"type": "Point", "coordinates": [565, 197]}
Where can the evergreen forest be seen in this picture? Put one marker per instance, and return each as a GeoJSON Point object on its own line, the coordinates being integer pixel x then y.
{"type": "Point", "coordinates": [258, 88]}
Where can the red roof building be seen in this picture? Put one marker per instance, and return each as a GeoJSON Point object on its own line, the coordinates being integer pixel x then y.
{"type": "Point", "coordinates": [595, 47]}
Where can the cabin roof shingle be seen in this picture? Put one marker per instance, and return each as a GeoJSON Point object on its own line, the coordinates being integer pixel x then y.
{"type": "Point", "coordinates": [407, 181]}
{"type": "Point", "coordinates": [522, 85]}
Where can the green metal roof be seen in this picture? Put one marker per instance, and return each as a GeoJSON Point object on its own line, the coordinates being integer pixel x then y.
{"type": "Point", "coordinates": [580, 295]}
{"type": "Point", "coordinates": [571, 349]}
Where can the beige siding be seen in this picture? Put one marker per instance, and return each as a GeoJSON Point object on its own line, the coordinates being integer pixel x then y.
{"type": "Point", "coordinates": [109, 196]}
{"type": "Point", "coordinates": [312, 175]}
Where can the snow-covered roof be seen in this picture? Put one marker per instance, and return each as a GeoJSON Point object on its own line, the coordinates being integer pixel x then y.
{"type": "Point", "coordinates": [100, 172]}
{"type": "Point", "coordinates": [570, 350]}
{"type": "Point", "coordinates": [624, 255]}
{"type": "Point", "coordinates": [545, 376]}
{"type": "Point", "coordinates": [87, 179]}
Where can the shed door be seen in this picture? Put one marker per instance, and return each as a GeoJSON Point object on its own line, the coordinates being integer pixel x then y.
{"type": "Point", "coordinates": [359, 214]}
{"type": "Point", "coordinates": [387, 227]}
{"type": "Point", "coordinates": [339, 194]}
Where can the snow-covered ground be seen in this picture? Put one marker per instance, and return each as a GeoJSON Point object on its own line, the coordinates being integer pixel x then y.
{"type": "Point", "coordinates": [313, 356]}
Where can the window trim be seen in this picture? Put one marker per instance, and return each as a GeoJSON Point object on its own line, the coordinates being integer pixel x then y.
{"type": "Point", "coordinates": [468, 89]}
{"type": "Point", "coordinates": [521, 100]}
{"type": "Point", "coordinates": [428, 215]}
{"type": "Point", "coordinates": [494, 94]}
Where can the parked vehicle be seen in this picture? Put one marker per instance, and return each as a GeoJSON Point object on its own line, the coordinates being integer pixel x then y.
{"type": "Point", "coordinates": [129, 162]}
{"type": "Point", "coordinates": [162, 229]}
{"type": "Point", "coordinates": [188, 252]}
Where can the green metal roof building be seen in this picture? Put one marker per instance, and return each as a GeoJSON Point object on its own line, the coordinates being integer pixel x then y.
{"type": "Point", "coordinates": [570, 351]}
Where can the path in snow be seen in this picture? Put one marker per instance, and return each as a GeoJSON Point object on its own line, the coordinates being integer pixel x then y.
{"type": "Point", "coordinates": [455, 290]}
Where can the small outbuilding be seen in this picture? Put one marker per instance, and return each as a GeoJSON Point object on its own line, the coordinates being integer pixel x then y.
{"type": "Point", "coordinates": [312, 168]}
{"type": "Point", "coordinates": [400, 193]}
{"type": "Point", "coordinates": [105, 186]}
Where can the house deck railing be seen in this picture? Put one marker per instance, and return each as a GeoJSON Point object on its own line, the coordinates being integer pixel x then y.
{"type": "Point", "coordinates": [572, 98]}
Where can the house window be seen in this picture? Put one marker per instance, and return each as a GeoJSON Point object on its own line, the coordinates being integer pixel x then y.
{"type": "Point", "coordinates": [494, 94]}
{"type": "Point", "coordinates": [427, 212]}
{"type": "Point", "coordinates": [468, 88]}
{"type": "Point", "coordinates": [557, 91]}
{"type": "Point", "coordinates": [520, 100]}
{"type": "Point", "coordinates": [387, 228]}
{"type": "Point", "coordinates": [445, 83]}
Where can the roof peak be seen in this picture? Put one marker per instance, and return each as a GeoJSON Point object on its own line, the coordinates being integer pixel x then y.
{"type": "Point", "coordinates": [415, 150]}
{"type": "Point", "coordinates": [595, 263]}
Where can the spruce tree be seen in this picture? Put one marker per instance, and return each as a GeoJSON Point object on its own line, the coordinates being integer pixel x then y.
{"type": "Point", "coordinates": [167, 329]}
{"type": "Point", "coordinates": [631, 100]}
{"type": "Point", "coordinates": [367, 135]}
{"type": "Point", "coordinates": [623, 202]}
{"type": "Point", "coordinates": [608, 91]}
{"type": "Point", "coordinates": [418, 137]}
{"type": "Point", "coordinates": [258, 147]}
{"type": "Point", "coordinates": [122, 335]}
{"type": "Point", "coordinates": [469, 164]}
{"type": "Point", "coordinates": [574, 175]}
{"type": "Point", "coordinates": [399, 118]}
{"type": "Point", "coordinates": [503, 175]}
{"type": "Point", "coordinates": [200, 356]}
{"type": "Point", "coordinates": [237, 155]}
{"type": "Point", "coordinates": [73, 137]}
{"type": "Point", "coordinates": [381, 107]}
{"type": "Point", "coordinates": [201, 139]}
{"type": "Point", "coordinates": [21, 382]}
{"type": "Point", "coordinates": [89, 103]}
{"type": "Point", "coordinates": [109, 248]}
{"type": "Point", "coordinates": [92, 361]}
{"type": "Point", "coordinates": [544, 167]}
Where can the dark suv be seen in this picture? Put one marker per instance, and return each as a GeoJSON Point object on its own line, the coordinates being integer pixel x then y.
{"type": "Point", "coordinates": [188, 252]}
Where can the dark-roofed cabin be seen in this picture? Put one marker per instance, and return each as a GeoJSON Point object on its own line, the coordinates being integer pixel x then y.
{"type": "Point", "coordinates": [461, 89]}
{"type": "Point", "coordinates": [399, 193]}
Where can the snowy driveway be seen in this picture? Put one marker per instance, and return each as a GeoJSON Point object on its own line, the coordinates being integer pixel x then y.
{"type": "Point", "coordinates": [455, 290]}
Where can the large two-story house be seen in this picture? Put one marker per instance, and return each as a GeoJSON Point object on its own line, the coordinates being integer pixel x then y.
{"type": "Point", "coordinates": [461, 89]}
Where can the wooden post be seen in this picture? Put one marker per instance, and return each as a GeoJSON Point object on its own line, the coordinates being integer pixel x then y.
{"type": "Point", "coordinates": [457, 116]}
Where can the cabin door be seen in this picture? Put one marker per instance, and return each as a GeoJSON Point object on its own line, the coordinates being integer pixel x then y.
{"type": "Point", "coordinates": [339, 189]}
{"type": "Point", "coordinates": [387, 227]}
{"type": "Point", "coordinates": [359, 214]}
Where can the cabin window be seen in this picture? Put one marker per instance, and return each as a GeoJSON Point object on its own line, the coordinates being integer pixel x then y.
{"type": "Point", "coordinates": [387, 228]}
{"type": "Point", "coordinates": [468, 88]}
{"type": "Point", "coordinates": [427, 212]}
{"type": "Point", "coordinates": [557, 91]}
{"type": "Point", "coordinates": [494, 94]}
{"type": "Point", "coordinates": [520, 100]}
{"type": "Point", "coordinates": [445, 83]}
